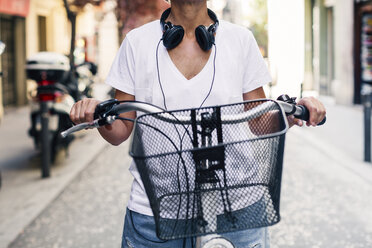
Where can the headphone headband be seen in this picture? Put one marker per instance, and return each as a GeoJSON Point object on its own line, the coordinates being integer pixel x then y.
{"type": "Point", "coordinates": [167, 12]}
{"type": "Point", "coordinates": [214, 18]}
{"type": "Point", "coordinates": [164, 16]}
{"type": "Point", "coordinates": [173, 34]}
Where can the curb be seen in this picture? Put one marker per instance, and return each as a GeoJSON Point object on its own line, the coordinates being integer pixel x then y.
{"type": "Point", "coordinates": [25, 195]}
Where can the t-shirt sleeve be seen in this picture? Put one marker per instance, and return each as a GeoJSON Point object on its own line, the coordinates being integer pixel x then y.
{"type": "Point", "coordinates": [121, 75]}
{"type": "Point", "coordinates": [256, 73]}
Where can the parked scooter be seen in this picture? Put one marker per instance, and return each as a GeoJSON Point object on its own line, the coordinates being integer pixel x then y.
{"type": "Point", "coordinates": [85, 73]}
{"type": "Point", "coordinates": [51, 105]}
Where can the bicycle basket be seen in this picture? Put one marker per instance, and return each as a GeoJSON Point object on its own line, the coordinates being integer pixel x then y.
{"type": "Point", "coordinates": [212, 170]}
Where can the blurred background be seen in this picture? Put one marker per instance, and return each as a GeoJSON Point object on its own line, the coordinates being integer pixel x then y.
{"type": "Point", "coordinates": [320, 48]}
{"type": "Point", "coordinates": [310, 46]}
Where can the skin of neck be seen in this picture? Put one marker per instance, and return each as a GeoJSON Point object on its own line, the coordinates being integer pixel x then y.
{"type": "Point", "coordinates": [189, 14]}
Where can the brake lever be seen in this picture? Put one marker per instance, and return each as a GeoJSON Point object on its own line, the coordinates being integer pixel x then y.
{"type": "Point", "coordinates": [288, 99]}
{"type": "Point", "coordinates": [104, 107]}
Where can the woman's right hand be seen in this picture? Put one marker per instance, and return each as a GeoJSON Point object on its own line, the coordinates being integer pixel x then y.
{"type": "Point", "coordinates": [83, 110]}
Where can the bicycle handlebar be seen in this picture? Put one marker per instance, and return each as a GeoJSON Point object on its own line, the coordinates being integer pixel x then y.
{"type": "Point", "coordinates": [299, 111]}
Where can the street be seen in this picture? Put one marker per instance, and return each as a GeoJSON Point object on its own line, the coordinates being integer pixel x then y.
{"type": "Point", "coordinates": [323, 202]}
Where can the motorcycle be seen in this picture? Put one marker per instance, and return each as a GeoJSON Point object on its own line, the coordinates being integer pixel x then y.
{"type": "Point", "coordinates": [50, 104]}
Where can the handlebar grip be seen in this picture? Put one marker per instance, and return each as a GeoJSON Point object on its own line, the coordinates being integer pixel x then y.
{"type": "Point", "coordinates": [305, 115]}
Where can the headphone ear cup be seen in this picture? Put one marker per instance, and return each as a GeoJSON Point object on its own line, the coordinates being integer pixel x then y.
{"type": "Point", "coordinates": [173, 36]}
{"type": "Point", "coordinates": [204, 38]}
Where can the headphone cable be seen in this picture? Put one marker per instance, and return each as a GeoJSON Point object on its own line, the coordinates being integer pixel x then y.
{"type": "Point", "coordinates": [161, 86]}
{"type": "Point", "coordinates": [157, 67]}
{"type": "Point", "coordinates": [183, 136]}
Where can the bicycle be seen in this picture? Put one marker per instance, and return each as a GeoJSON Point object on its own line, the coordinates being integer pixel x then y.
{"type": "Point", "coordinates": [208, 170]}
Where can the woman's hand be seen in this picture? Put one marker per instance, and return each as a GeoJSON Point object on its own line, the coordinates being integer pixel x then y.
{"type": "Point", "coordinates": [83, 111]}
{"type": "Point", "coordinates": [316, 109]}
{"type": "Point", "coordinates": [117, 132]}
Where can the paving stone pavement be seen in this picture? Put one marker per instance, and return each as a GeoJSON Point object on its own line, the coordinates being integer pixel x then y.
{"type": "Point", "coordinates": [24, 195]}
{"type": "Point", "coordinates": [323, 203]}
{"type": "Point", "coordinates": [89, 212]}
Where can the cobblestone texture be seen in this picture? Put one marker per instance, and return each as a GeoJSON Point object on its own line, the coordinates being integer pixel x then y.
{"type": "Point", "coordinates": [90, 211]}
{"type": "Point", "coordinates": [322, 203]}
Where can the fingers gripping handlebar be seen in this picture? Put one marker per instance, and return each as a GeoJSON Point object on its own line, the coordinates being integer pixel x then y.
{"type": "Point", "coordinates": [298, 111]}
{"type": "Point", "coordinates": [110, 108]}
{"type": "Point", "coordinates": [108, 111]}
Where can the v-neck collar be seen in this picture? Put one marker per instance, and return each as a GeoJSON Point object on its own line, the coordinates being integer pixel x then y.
{"type": "Point", "coordinates": [174, 68]}
{"type": "Point", "coordinates": [207, 67]}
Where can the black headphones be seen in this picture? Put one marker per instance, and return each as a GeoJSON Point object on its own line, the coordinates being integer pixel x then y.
{"type": "Point", "coordinates": [173, 34]}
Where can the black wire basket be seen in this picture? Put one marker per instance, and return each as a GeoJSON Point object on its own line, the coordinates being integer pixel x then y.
{"type": "Point", "coordinates": [212, 170]}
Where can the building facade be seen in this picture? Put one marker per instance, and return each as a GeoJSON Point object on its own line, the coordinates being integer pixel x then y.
{"type": "Point", "coordinates": [316, 47]}
{"type": "Point", "coordinates": [13, 15]}
{"type": "Point", "coordinates": [31, 26]}
{"type": "Point", "coordinates": [330, 30]}
{"type": "Point", "coordinates": [362, 48]}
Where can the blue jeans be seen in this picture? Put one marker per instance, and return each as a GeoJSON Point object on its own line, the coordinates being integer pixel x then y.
{"type": "Point", "coordinates": [143, 235]}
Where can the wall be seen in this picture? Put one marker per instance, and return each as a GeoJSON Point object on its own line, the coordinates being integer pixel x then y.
{"type": "Point", "coordinates": [294, 59]}
{"type": "Point", "coordinates": [286, 45]}
{"type": "Point", "coordinates": [343, 85]}
{"type": "Point", "coordinates": [14, 74]}
{"type": "Point", "coordinates": [58, 30]}
{"type": "Point", "coordinates": [108, 40]}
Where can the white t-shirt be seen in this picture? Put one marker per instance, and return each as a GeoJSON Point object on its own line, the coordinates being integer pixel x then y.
{"type": "Point", "coordinates": [239, 68]}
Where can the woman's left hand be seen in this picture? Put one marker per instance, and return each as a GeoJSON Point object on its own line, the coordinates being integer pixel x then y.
{"type": "Point", "coordinates": [316, 109]}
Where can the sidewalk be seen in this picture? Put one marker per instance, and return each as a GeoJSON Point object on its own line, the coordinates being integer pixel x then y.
{"type": "Point", "coordinates": [342, 137]}
{"type": "Point", "coordinates": [326, 188]}
{"type": "Point", "coordinates": [24, 194]}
